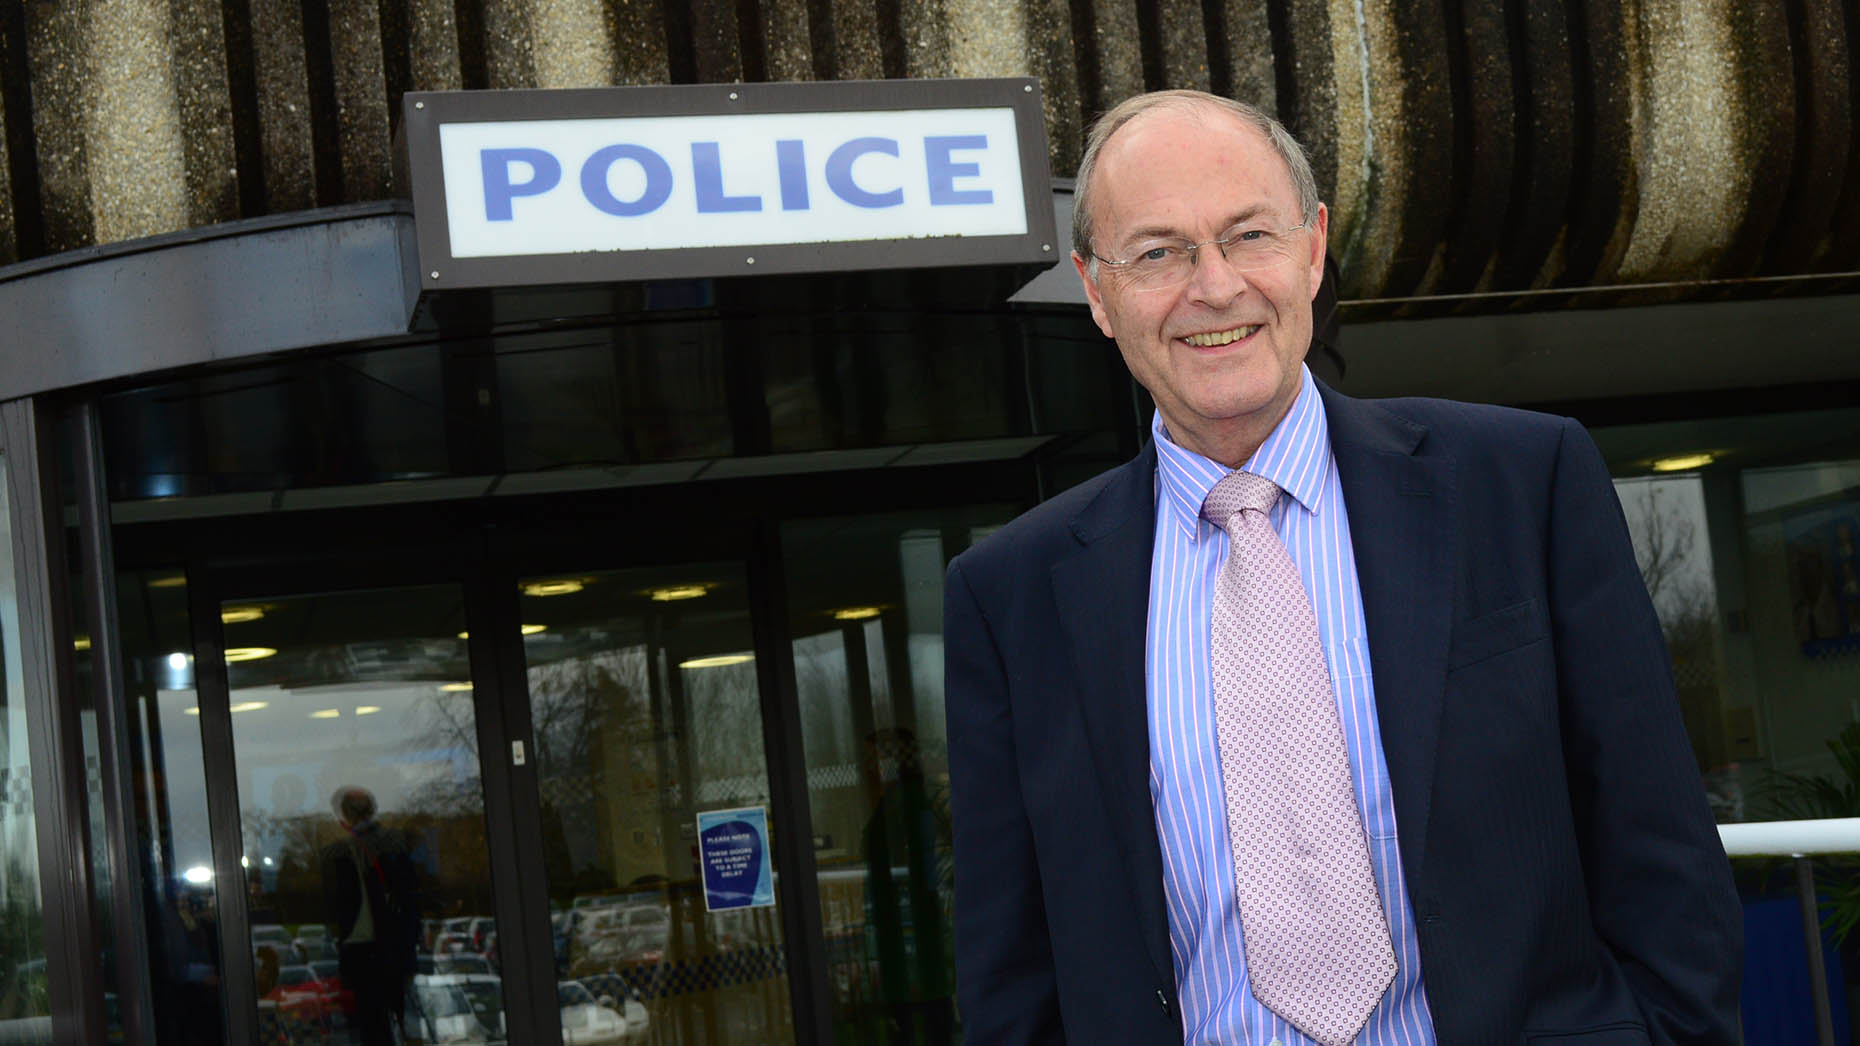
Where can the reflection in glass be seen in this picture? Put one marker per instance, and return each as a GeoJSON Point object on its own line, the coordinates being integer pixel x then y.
{"type": "Point", "coordinates": [171, 806]}
{"type": "Point", "coordinates": [645, 709]}
{"type": "Point", "coordinates": [25, 1004]}
{"type": "Point", "coordinates": [367, 870]}
{"type": "Point", "coordinates": [866, 606]}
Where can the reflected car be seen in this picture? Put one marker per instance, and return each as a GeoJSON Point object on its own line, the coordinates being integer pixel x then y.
{"type": "Point", "coordinates": [300, 995]}
{"type": "Point", "coordinates": [462, 1009]}
{"type": "Point", "coordinates": [586, 1021]}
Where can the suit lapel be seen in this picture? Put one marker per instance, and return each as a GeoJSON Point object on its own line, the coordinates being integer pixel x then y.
{"type": "Point", "coordinates": [1403, 525]}
{"type": "Point", "coordinates": [1104, 595]}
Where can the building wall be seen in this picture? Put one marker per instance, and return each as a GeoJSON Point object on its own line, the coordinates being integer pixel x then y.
{"type": "Point", "coordinates": [1465, 145]}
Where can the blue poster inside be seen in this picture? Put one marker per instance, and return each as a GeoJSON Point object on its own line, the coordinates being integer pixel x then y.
{"type": "Point", "coordinates": [733, 848]}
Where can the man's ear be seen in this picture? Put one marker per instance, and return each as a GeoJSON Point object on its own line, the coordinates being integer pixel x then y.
{"type": "Point", "coordinates": [1320, 246]}
{"type": "Point", "coordinates": [1091, 295]}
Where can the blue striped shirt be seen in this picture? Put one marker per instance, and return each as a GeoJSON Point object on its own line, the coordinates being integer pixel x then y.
{"type": "Point", "coordinates": [1185, 776]}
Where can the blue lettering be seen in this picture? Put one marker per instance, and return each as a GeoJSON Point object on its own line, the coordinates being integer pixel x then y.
{"type": "Point", "coordinates": [840, 179]}
{"type": "Point", "coordinates": [499, 190]}
{"type": "Point", "coordinates": [791, 166]}
{"type": "Point", "coordinates": [658, 180]}
{"type": "Point", "coordinates": [943, 173]}
{"type": "Point", "coordinates": [707, 172]}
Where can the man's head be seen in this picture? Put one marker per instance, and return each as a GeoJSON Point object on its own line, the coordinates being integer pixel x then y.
{"type": "Point", "coordinates": [1218, 341]}
{"type": "Point", "coordinates": [354, 806]}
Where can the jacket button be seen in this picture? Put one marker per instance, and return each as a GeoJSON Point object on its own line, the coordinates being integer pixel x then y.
{"type": "Point", "coordinates": [1163, 1000]}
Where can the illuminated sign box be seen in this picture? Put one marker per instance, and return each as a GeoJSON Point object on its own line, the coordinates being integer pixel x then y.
{"type": "Point", "coordinates": [636, 183]}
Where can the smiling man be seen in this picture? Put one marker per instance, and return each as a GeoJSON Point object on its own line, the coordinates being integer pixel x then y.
{"type": "Point", "coordinates": [1322, 720]}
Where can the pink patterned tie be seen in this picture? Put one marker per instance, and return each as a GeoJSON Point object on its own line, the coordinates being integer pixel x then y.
{"type": "Point", "coordinates": [1317, 943]}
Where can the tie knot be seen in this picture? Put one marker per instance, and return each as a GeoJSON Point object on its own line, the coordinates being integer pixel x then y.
{"type": "Point", "coordinates": [1237, 492]}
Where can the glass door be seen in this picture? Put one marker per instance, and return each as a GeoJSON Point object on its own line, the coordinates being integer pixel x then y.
{"type": "Point", "coordinates": [362, 810]}
{"type": "Point", "coordinates": [655, 805]}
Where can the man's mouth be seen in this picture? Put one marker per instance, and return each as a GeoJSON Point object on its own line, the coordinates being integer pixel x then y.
{"type": "Point", "coordinates": [1211, 339]}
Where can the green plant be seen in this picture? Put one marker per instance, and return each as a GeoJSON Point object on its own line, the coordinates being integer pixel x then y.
{"type": "Point", "coordinates": [1806, 797]}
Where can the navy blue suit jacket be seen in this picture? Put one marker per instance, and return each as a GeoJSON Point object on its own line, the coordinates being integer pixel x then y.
{"type": "Point", "coordinates": [1567, 882]}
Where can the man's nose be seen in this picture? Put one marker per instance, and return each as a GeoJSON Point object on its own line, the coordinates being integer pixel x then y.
{"type": "Point", "coordinates": [1215, 281]}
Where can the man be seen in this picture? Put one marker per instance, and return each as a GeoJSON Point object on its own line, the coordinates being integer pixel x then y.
{"type": "Point", "coordinates": [370, 893]}
{"type": "Point", "coordinates": [1482, 823]}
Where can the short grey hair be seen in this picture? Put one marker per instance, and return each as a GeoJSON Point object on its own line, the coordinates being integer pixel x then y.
{"type": "Point", "coordinates": [1184, 101]}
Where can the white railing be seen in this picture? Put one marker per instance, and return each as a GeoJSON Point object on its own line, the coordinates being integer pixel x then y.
{"type": "Point", "coordinates": [1801, 840]}
{"type": "Point", "coordinates": [1836, 835]}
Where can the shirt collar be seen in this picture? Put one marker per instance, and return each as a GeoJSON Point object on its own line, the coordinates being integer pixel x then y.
{"type": "Point", "coordinates": [1295, 455]}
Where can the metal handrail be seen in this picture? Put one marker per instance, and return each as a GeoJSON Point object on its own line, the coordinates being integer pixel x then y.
{"type": "Point", "coordinates": [1835, 835]}
{"type": "Point", "coordinates": [1801, 840]}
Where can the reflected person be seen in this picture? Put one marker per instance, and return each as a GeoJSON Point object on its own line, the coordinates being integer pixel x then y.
{"type": "Point", "coordinates": [904, 912]}
{"type": "Point", "coordinates": [371, 899]}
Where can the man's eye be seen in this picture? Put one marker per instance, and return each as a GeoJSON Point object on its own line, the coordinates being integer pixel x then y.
{"type": "Point", "coordinates": [1154, 254]}
{"type": "Point", "coordinates": [1251, 235]}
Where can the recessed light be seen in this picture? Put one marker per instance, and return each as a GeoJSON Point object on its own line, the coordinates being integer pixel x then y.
{"type": "Point", "coordinates": [250, 706]}
{"type": "Point", "coordinates": [81, 643]}
{"type": "Point", "coordinates": [716, 661]}
{"type": "Point", "coordinates": [674, 593]}
{"type": "Point", "coordinates": [171, 581]}
{"type": "Point", "coordinates": [327, 713]}
{"type": "Point", "coordinates": [530, 630]}
{"type": "Point", "coordinates": [454, 688]}
{"type": "Point", "coordinates": [177, 661]}
{"type": "Point", "coordinates": [199, 875]}
{"type": "Point", "coordinates": [248, 653]}
{"type": "Point", "coordinates": [367, 709]}
{"type": "Point", "coordinates": [556, 587]}
{"type": "Point", "coordinates": [1684, 462]}
{"type": "Point", "coordinates": [240, 614]}
{"type": "Point", "coordinates": [857, 613]}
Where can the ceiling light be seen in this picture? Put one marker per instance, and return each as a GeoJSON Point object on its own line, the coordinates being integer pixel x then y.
{"type": "Point", "coordinates": [367, 709]}
{"type": "Point", "coordinates": [464, 635]}
{"type": "Point", "coordinates": [716, 661]}
{"type": "Point", "coordinates": [171, 581]}
{"type": "Point", "coordinates": [192, 711]}
{"type": "Point", "coordinates": [199, 875]}
{"type": "Point", "coordinates": [81, 643]}
{"type": "Point", "coordinates": [250, 706]}
{"type": "Point", "coordinates": [530, 630]}
{"type": "Point", "coordinates": [327, 713]}
{"type": "Point", "coordinates": [1684, 462]}
{"type": "Point", "coordinates": [857, 613]}
{"type": "Point", "coordinates": [673, 593]}
{"type": "Point", "coordinates": [177, 661]}
{"type": "Point", "coordinates": [248, 653]}
{"type": "Point", "coordinates": [240, 615]}
{"type": "Point", "coordinates": [454, 688]}
{"type": "Point", "coordinates": [557, 587]}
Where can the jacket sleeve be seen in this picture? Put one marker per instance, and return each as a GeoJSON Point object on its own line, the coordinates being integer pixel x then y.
{"type": "Point", "coordinates": [1005, 980]}
{"type": "Point", "coordinates": [1657, 877]}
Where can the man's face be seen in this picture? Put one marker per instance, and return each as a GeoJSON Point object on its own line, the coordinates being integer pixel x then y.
{"type": "Point", "coordinates": [1191, 176]}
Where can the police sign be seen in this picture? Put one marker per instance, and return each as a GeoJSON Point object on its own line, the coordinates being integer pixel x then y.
{"type": "Point", "coordinates": [629, 183]}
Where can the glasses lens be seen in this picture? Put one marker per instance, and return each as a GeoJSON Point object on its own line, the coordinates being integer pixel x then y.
{"type": "Point", "coordinates": [1161, 267]}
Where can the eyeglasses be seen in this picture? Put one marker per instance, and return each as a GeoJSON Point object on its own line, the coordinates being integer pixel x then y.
{"type": "Point", "coordinates": [1157, 265]}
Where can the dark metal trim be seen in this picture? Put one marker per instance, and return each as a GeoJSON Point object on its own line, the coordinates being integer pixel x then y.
{"type": "Point", "coordinates": [809, 989]}
{"type": "Point", "coordinates": [238, 981]}
{"type": "Point", "coordinates": [299, 281]}
{"type": "Point", "coordinates": [114, 753]}
{"type": "Point", "coordinates": [519, 882]}
{"type": "Point", "coordinates": [424, 112]}
{"type": "Point", "coordinates": [55, 736]}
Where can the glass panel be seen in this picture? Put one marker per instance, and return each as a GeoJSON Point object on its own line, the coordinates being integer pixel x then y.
{"type": "Point", "coordinates": [176, 847]}
{"type": "Point", "coordinates": [646, 713]}
{"type": "Point", "coordinates": [25, 1004]}
{"type": "Point", "coordinates": [866, 606]}
{"type": "Point", "coordinates": [367, 868]}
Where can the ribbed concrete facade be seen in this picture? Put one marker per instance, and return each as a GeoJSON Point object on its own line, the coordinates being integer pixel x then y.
{"type": "Point", "coordinates": [1465, 145]}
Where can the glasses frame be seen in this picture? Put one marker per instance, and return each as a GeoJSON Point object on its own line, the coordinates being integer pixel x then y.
{"type": "Point", "coordinates": [1193, 250]}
